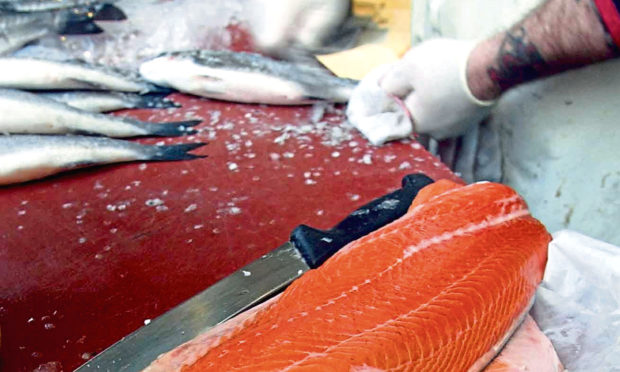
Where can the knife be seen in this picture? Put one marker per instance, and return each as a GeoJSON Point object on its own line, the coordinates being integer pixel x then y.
{"type": "Point", "coordinates": [254, 283]}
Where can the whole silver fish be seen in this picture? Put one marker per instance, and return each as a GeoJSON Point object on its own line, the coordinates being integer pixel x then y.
{"type": "Point", "coordinates": [245, 77]}
{"type": "Point", "coordinates": [45, 5]}
{"type": "Point", "coordinates": [28, 157]}
{"type": "Point", "coordinates": [62, 21]}
{"type": "Point", "coordinates": [110, 101]}
{"type": "Point", "coordinates": [41, 74]}
{"type": "Point", "coordinates": [23, 112]}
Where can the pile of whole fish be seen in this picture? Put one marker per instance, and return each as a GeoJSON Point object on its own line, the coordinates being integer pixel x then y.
{"type": "Point", "coordinates": [48, 103]}
{"type": "Point", "coordinates": [23, 21]}
{"type": "Point", "coordinates": [51, 111]}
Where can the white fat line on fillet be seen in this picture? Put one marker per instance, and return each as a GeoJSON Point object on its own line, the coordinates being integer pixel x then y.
{"type": "Point", "coordinates": [400, 318]}
{"type": "Point", "coordinates": [464, 230]}
{"type": "Point", "coordinates": [427, 243]}
{"type": "Point", "coordinates": [488, 222]}
{"type": "Point", "coordinates": [411, 214]}
{"type": "Point", "coordinates": [496, 220]}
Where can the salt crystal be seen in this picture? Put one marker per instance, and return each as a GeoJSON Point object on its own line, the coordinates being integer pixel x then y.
{"type": "Point", "coordinates": [154, 202]}
{"type": "Point", "coordinates": [404, 165]}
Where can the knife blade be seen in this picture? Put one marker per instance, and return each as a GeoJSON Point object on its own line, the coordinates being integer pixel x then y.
{"type": "Point", "coordinates": [254, 283]}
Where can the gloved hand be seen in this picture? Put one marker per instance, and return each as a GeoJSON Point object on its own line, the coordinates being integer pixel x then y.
{"type": "Point", "coordinates": [278, 24]}
{"type": "Point", "coordinates": [379, 116]}
{"type": "Point", "coordinates": [431, 81]}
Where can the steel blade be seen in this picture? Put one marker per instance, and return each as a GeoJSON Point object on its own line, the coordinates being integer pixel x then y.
{"type": "Point", "coordinates": [239, 291]}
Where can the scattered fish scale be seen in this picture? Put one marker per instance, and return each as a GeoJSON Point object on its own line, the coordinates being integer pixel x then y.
{"type": "Point", "coordinates": [24, 112]}
{"type": "Point", "coordinates": [440, 289]}
{"type": "Point", "coordinates": [245, 77]}
{"type": "Point", "coordinates": [41, 74]}
{"type": "Point", "coordinates": [28, 157]}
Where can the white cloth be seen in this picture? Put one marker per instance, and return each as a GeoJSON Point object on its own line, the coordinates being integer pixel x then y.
{"type": "Point", "coordinates": [374, 113]}
{"type": "Point", "coordinates": [431, 82]}
{"type": "Point", "coordinates": [578, 303]}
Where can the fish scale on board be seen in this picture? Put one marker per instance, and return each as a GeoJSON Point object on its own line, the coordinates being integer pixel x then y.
{"type": "Point", "coordinates": [440, 289]}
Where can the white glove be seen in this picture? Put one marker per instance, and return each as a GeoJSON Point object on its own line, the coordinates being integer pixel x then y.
{"type": "Point", "coordinates": [278, 24]}
{"type": "Point", "coordinates": [373, 112]}
{"type": "Point", "coordinates": [431, 80]}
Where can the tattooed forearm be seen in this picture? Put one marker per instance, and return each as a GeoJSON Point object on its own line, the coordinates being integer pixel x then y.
{"type": "Point", "coordinates": [518, 61]}
{"type": "Point", "coordinates": [557, 36]}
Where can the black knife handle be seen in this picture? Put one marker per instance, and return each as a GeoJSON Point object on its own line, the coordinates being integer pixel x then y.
{"type": "Point", "coordinates": [316, 246]}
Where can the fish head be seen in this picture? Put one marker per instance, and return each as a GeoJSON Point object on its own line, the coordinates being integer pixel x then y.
{"type": "Point", "coordinates": [182, 72]}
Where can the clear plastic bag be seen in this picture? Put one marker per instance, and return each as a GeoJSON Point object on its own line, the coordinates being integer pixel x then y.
{"type": "Point", "coordinates": [578, 304]}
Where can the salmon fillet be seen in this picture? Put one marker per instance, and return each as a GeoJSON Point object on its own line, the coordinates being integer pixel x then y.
{"type": "Point", "coordinates": [437, 290]}
{"type": "Point", "coordinates": [527, 350]}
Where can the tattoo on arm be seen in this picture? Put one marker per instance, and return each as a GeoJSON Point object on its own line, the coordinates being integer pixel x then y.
{"type": "Point", "coordinates": [518, 60]}
{"type": "Point", "coordinates": [556, 36]}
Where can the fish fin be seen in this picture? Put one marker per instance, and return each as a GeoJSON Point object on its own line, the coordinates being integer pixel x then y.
{"type": "Point", "coordinates": [313, 98]}
{"type": "Point", "coordinates": [155, 100]}
{"type": "Point", "coordinates": [83, 84]}
{"type": "Point", "coordinates": [175, 152]}
{"type": "Point", "coordinates": [154, 88]}
{"type": "Point", "coordinates": [171, 129]}
{"type": "Point", "coordinates": [79, 27]}
{"type": "Point", "coordinates": [109, 12]}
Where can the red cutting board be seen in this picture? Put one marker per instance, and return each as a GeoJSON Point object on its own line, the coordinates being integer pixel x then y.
{"type": "Point", "coordinates": [89, 256]}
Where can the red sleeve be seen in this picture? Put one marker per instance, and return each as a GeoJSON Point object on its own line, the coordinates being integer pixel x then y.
{"type": "Point", "coordinates": [610, 13]}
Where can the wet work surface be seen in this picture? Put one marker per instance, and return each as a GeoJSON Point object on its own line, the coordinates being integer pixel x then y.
{"type": "Point", "coordinates": [89, 256]}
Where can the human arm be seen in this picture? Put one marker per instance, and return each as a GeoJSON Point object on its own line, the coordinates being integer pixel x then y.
{"type": "Point", "coordinates": [447, 85]}
{"type": "Point", "coordinates": [557, 36]}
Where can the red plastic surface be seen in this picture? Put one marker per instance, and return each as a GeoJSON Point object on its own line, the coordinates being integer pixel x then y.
{"type": "Point", "coordinates": [88, 256]}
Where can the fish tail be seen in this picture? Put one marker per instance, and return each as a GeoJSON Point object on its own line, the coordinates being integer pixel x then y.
{"type": "Point", "coordinates": [175, 152]}
{"type": "Point", "coordinates": [76, 22]}
{"type": "Point", "coordinates": [79, 27]}
{"type": "Point", "coordinates": [171, 129]}
{"type": "Point", "coordinates": [109, 12]}
{"type": "Point", "coordinates": [155, 100]}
